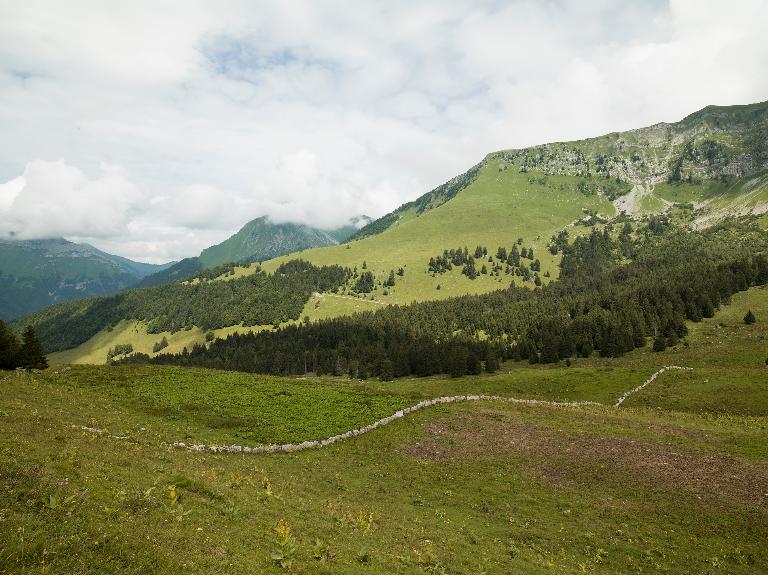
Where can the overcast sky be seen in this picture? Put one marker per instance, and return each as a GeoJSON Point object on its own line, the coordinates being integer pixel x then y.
{"type": "Point", "coordinates": [154, 129]}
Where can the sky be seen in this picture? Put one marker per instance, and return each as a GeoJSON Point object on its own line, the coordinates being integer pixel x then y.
{"type": "Point", "coordinates": [155, 129]}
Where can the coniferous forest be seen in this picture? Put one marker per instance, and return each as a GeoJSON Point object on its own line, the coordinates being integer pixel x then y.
{"type": "Point", "coordinates": [618, 290]}
{"type": "Point", "coordinates": [27, 353]}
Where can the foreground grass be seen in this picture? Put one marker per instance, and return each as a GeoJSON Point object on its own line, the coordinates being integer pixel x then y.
{"type": "Point", "coordinates": [481, 488]}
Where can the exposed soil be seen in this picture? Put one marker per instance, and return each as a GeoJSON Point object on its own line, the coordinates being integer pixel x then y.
{"type": "Point", "coordinates": [573, 459]}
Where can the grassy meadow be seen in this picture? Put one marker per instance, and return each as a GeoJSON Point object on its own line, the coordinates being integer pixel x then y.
{"type": "Point", "coordinates": [674, 481]}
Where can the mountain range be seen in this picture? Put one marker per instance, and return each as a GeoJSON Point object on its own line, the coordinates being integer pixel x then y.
{"type": "Point", "coordinates": [710, 167]}
{"type": "Point", "coordinates": [38, 273]}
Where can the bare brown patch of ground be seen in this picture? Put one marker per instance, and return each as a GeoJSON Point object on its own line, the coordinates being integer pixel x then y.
{"type": "Point", "coordinates": [569, 458]}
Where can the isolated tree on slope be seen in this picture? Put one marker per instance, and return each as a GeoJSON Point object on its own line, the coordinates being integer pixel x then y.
{"type": "Point", "coordinates": [31, 354]}
{"type": "Point", "coordinates": [749, 318]}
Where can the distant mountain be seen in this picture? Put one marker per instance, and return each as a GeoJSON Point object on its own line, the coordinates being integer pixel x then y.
{"type": "Point", "coordinates": [256, 241]}
{"type": "Point", "coordinates": [38, 273]}
{"type": "Point", "coordinates": [260, 239]}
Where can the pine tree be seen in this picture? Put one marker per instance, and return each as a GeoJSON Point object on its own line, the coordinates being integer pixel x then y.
{"type": "Point", "coordinates": [660, 343]}
{"type": "Point", "coordinates": [9, 348]}
{"type": "Point", "coordinates": [749, 318]}
{"type": "Point", "coordinates": [491, 362]}
{"type": "Point", "coordinates": [473, 363]}
{"type": "Point", "coordinates": [387, 372]}
{"type": "Point", "coordinates": [31, 354]}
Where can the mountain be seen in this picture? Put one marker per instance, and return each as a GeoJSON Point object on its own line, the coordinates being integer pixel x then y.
{"type": "Point", "coordinates": [38, 273]}
{"type": "Point", "coordinates": [704, 169]}
{"type": "Point", "coordinates": [261, 239]}
{"type": "Point", "coordinates": [256, 241]}
{"type": "Point", "coordinates": [709, 166]}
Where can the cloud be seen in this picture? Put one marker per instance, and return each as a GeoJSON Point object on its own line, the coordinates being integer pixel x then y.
{"type": "Point", "coordinates": [318, 111]}
{"type": "Point", "coordinates": [54, 199]}
{"type": "Point", "coordinates": [302, 188]}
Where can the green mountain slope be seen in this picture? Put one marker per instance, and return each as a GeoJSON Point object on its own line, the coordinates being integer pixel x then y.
{"type": "Point", "coordinates": [707, 167]}
{"type": "Point", "coordinates": [698, 171]}
{"type": "Point", "coordinates": [38, 273]}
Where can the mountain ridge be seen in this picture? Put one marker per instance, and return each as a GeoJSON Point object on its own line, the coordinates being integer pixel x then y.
{"type": "Point", "coordinates": [41, 272]}
{"type": "Point", "coordinates": [257, 240]}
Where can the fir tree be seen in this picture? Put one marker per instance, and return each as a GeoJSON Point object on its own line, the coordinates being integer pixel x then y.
{"type": "Point", "coordinates": [491, 362]}
{"type": "Point", "coordinates": [660, 343]}
{"type": "Point", "coordinates": [749, 318]}
{"type": "Point", "coordinates": [387, 372]}
{"type": "Point", "coordinates": [9, 348]}
{"type": "Point", "coordinates": [31, 353]}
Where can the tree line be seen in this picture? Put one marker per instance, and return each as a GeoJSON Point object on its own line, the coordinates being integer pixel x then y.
{"type": "Point", "coordinates": [602, 304]}
{"type": "Point", "coordinates": [27, 353]}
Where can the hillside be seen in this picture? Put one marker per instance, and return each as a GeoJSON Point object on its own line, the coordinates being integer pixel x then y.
{"type": "Point", "coordinates": [39, 273]}
{"type": "Point", "coordinates": [534, 202]}
{"type": "Point", "coordinates": [258, 240]}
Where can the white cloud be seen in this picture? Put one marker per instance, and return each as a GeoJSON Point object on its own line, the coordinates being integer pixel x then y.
{"type": "Point", "coordinates": [54, 199]}
{"type": "Point", "coordinates": [317, 111]}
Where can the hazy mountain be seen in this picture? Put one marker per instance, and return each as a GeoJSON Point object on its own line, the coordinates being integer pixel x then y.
{"type": "Point", "coordinates": [258, 240]}
{"type": "Point", "coordinates": [37, 273]}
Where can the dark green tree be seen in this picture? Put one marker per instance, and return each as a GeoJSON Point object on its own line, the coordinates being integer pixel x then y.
{"type": "Point", "coordinates": [387, 371]}
{"type": "Point", "coordinates": [749, 318]}
{"type": "Point", "coordinates": [9, 348]}
{"type": "Point", "coordinates": [491, 361]}
{"type": "Point", "coordinates": [31, 353]}
{"type": "Point", "coordinates": [660, 343]}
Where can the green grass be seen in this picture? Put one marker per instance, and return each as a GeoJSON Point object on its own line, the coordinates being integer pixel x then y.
{"type": "Point", "coordinates": [229, 407]}
{"type": "Point", "coordinates": [673, 481]}
{"type": "Point", "coordinates": [444, 488]}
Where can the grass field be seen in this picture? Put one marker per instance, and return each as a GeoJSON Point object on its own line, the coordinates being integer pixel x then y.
{"type": "Point", "coordinates": [674, 481]}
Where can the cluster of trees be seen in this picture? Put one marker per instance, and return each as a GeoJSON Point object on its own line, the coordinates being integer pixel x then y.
{"type": "Point", "coordinates": [611, 188]}
{"type": "Point", "coordinates": [120, 349]}
{"type": "Point", "coordinates": [162, 344]}
{"type": "Point", "coordinates": [255, 299]}
{"type": "Point", "coordinates": [599, 305]}
{"type": "Point", "coordinates": [27, 353]}
{"type": "Point", "coordinates": [510, 262]}
{"type": "Point", "coordinates": [364, 283]}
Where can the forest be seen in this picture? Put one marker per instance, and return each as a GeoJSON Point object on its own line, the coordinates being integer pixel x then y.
{"type": "Point", "coordinates": [618, 289]}
{"type": "Point", "coordinates": [256, 299]}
